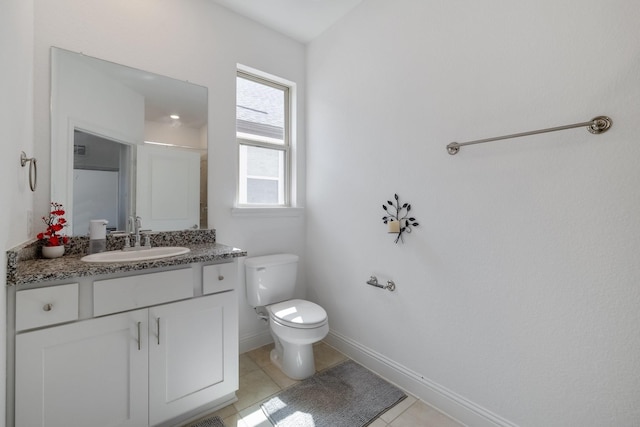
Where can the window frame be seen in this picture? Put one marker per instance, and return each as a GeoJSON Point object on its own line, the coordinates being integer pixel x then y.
{"type": "Point", "coordinates": [285, 147]}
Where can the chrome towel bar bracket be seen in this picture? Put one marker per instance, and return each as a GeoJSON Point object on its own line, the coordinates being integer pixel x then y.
{"type": "Point", "coordinates": [597, 125]}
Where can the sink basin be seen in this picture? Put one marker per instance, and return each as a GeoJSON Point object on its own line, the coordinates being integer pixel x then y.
{"type": "Point", "coordinates": [141, 255]}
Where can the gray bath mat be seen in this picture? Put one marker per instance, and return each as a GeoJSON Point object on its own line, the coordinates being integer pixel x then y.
{"type": "Point", "coordinates": [214, 421]}
{"type": "Point", "coordinates": [347, 395]}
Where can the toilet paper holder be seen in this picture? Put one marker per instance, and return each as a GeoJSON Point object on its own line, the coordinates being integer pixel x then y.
{"type": "Point", "coordinates": [373, 281]}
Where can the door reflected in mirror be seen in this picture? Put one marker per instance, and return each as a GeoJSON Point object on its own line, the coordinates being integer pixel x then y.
{"type": "Point", "coordinates": [101, 182]}
{"type": "Point", "coordinates": [126, 142]}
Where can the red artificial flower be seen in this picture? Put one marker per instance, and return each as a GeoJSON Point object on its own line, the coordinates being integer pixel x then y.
{"type": "Point", "coordinates": [55, 223]}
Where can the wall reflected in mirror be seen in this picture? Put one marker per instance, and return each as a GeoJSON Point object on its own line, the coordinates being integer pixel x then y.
{"type": "Point", "coordinates": [126, 142]}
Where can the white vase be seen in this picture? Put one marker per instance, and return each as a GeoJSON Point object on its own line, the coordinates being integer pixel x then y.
{"type": "Point", "coordinates": [52, 251]}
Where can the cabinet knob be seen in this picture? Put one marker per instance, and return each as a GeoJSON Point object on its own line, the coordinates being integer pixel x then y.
{"type": "Point", "coordinates": [47, 307]}
{"type": "Point", "coordinates": [221, 277]}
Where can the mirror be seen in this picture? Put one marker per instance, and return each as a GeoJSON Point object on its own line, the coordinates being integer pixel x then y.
{"type": "Point", "coordinates": [124, 143]}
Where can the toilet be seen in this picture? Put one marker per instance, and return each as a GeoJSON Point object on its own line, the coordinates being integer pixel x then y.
{"type": "Point", "coordinates": [295, 324]}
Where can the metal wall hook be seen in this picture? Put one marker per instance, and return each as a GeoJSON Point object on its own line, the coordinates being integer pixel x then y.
{"type": "Point", "coordinates": [33, 169]}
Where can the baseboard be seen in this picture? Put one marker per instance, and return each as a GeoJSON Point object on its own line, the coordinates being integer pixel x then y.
{"type": "Point", "coordinates": [446, 401]}
{"type": "Point", "coordinates": [249, 342]}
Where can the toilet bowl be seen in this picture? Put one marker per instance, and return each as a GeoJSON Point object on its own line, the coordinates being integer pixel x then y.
{"type": "Point", "coordinates": [294, 324]}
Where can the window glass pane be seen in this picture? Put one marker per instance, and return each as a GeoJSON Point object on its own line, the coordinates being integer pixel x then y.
{"type": "Point", "coordinates": [263, 162]}
{"type": "Point", "coordinates": [262, 132]}
{"type": "Point", "coordinates": [260, 111]}
{"type": "Point", "coordinates": [262, 175]}
{"type": "Point", "coordinates": [263, 191]}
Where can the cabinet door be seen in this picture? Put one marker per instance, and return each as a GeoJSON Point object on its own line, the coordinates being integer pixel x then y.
{"type": "Point", "coordinates": [89, 373]}
{"type": "Point", "coordinates": [193, 354]}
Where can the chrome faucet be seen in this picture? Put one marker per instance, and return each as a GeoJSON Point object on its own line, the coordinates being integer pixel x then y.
{"type": "Point", "coordinates": [135, 224]}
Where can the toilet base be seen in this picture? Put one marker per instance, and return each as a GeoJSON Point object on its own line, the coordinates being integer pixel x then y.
{"type": "Point", "coordinates": [297, 362]}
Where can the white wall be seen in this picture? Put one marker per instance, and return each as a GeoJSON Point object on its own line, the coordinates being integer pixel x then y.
{"type": "Point", "coordinates": [16, 134]}
{"type": "Point", "coordinates": [16, 127]}
{"type": "Point", "coordinates": [193, 40]}
{"type": "Point", "coordinates": [166, 133]}
{"type": "Point", "coordinates": [518, 294]}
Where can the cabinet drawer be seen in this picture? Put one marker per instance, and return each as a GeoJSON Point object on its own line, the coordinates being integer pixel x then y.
{"type": "Point", "coordinates": [127, 293]}
{"type": "Point", "coordinates": [46, 306]}
{"type": "Point", "coordinates": [219, 277]}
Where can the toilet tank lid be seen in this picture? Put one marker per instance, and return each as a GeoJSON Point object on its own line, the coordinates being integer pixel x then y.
{"type": "Point", "coordinates": [270, 260]}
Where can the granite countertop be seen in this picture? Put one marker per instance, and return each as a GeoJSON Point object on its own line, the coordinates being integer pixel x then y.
{"type": "Point", "coordinates": [24, 267]}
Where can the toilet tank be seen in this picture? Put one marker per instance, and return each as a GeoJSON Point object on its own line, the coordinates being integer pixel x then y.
{"type": "Point", "coordinates": [270, 279]}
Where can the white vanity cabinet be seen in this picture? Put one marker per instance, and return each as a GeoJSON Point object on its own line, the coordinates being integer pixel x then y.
{"type": "Point", "coordinates": [189, 343]}
{"type": "Point", "coordinates": [137, 357]}
{"type": "Point", "coordinates": [88, 373]}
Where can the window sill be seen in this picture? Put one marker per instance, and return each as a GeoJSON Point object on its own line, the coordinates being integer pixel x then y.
{"type": "Point", "coordinates": [273, 212]}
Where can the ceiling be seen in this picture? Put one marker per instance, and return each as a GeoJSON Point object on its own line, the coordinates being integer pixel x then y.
{"type": "Point", "coordinates": [302, 20]}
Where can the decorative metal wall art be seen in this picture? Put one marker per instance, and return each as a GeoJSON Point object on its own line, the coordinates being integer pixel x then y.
{"type": "Point", "coordinates": [398, 219]}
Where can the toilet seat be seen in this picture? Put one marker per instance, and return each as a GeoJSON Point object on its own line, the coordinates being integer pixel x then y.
{"type": "Point", "coordinates": [298, 313]}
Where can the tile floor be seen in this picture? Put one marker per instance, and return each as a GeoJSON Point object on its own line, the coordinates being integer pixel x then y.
{"type": "Point", "coordinates": [260, 379]}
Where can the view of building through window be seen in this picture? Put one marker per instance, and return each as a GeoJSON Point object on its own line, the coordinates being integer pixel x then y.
{"type": "Point", "coordinates": [262, 117]}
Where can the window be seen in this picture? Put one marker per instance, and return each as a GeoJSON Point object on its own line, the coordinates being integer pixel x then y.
{"type": "Point", "coordinates": [262, 132]}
